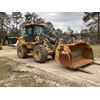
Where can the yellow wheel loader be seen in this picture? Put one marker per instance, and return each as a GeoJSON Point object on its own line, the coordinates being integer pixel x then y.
{"type": "Point", "coordinates": [40, 45]}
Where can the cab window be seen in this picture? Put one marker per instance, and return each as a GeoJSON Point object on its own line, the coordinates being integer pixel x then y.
{"type": "Point", "coordinates": [29, 30]}
{"type": "Point", "coordinates": [38, 30]}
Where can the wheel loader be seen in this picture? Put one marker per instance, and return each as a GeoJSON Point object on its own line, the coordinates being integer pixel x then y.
{"type": "Point", "coordinates": [38, 43]}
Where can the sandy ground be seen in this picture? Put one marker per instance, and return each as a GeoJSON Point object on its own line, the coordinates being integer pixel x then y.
{"type": "Point", "coordinates": [53, 70]}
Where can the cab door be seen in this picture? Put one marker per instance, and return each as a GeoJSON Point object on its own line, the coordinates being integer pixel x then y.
{"type": "Point", "coordinates": [30, 34]}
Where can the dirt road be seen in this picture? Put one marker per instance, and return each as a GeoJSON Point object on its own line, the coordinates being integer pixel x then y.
{"type": "Point", "coordinates": [53, 70]}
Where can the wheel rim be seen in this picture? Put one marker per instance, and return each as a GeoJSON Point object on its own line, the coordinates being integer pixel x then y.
{"type": "Point", "coordinates": [19, 51]}
{"type": "Point", "coordinates": [37, 54]}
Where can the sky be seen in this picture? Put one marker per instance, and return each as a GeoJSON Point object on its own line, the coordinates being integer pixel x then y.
{"type": "Point", "coordinates": [63, 20]}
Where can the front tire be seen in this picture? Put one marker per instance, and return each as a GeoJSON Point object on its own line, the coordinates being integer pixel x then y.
{"type": "Point", "coordinates": [39, 53]}
{"type": "Point", "coordinates": [22, 51]}
{"type": "Point", "coordinates": [53, 56]}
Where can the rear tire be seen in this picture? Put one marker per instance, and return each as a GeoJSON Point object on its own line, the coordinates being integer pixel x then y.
{"type": "Point", "coordinates": [40, 53]}
{"type": "Point", "coordinates": [22, 51]}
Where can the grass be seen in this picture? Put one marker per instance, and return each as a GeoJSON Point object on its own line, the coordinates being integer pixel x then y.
{"type": "Point", "coordinates": [96, 50]}
{"type": "Point", "coordinates": [10, 78]}
{"type": "Point", "coordinates": [4, 73]}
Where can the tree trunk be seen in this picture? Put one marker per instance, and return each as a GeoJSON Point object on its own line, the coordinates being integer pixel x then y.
{"type": "Point", "coordinates": [0, 37]}
{"type": "Point", "coordinates": [16, 23]}
{"type": "Point", "coordinates": [1, 32]}
{"type": "Point", "coordinates": [98, 28]}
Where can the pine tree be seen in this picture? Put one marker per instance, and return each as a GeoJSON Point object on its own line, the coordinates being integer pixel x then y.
{"type": "Point", "coordinates": [17, 18]}
{"type": "Point", "coordinates": [4, 24]}
{"type": "Point", "coordinates": [93, 20]}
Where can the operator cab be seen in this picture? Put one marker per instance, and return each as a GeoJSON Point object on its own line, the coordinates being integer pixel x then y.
{"type": "Point", "coordinates": [33, 30]}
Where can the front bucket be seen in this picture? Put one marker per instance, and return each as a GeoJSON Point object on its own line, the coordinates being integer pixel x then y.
{"type": "Point", "coordinates": [76, 55]}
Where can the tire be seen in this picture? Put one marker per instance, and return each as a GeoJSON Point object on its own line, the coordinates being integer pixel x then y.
{"type": "Point", "coordinates": [39, 53]}
{"type": "Point", "coordinates": [22, 51]}
{"type": "Point", "coordinates": [53, 56]}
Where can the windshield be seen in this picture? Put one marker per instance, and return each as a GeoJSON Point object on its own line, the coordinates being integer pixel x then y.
{"type": "Point", "coordinates": [38, 30]}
